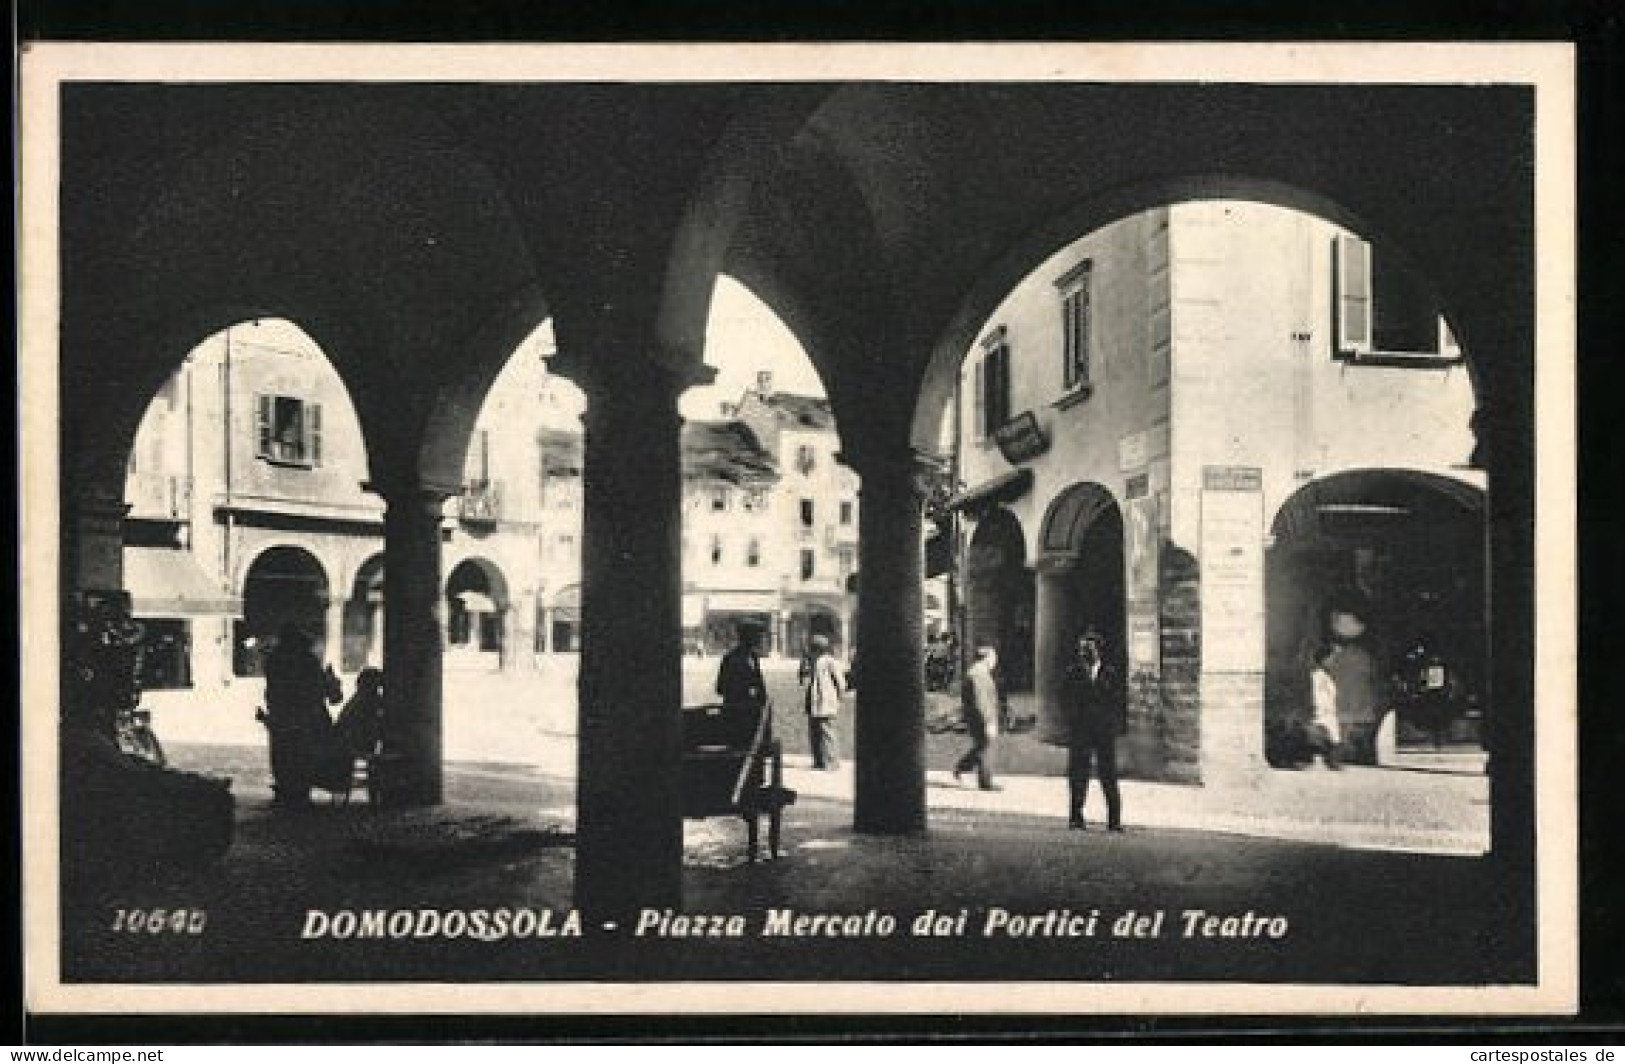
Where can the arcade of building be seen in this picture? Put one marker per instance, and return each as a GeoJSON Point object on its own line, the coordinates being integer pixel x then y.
{"type": "Point", "coordinates": [248, 511]}
{"type": "Point", "coordinates": [419, 233]}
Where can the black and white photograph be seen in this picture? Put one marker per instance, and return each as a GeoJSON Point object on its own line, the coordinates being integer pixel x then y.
{"type": "Point", "coordinates": [994, 529]}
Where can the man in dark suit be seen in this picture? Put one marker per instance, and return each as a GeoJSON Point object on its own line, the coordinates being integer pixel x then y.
{"type": "Point", "coordinates": [1096, 713]}
{"type": "Point", "coordinates": [740, 683]}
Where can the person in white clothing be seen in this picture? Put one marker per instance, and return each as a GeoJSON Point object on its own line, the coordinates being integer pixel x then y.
{"type": "Point", "coordinates": [1323, 730]}
{"type": "Point", "coordinates": [823, 704]}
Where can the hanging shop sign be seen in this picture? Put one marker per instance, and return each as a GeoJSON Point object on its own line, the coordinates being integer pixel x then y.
{"type": "Point", "coordinates": [1021, 439]}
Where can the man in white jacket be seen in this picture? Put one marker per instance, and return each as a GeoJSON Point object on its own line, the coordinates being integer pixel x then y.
{"type": "Point", "coordinates": [823, 704]}
{"type": "Point", "coordinates": [981, 708]}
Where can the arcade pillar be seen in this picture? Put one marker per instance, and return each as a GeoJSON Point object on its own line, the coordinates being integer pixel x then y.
{"type": "Point", "coordinates": [1057, 624]}
{"type": "Point", "coordinates": [333, 629]}
{"type": "Point", "coordinates": [890, 756]}
{"type": "Point", "coordinates": [413, 645]}
{"type": "Point", "coordinates": [1504, 451]}
{"type": "Point", "coordinates": [629, 827]}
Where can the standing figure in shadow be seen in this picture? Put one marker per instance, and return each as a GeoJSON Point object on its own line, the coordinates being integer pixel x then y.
{"type": "Point", "coordinates": [741, 686]}
{"type": "Point", "coordinates": [298, 690]}
{"type": "Point", "coordinates": [1097, 709]}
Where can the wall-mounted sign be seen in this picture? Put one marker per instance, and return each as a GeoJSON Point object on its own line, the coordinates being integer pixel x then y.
{"type": "Point", "coordinates": [1232, 478]}
{"type": "Point", "coordinates": [1131, 451]}
{"type": "Point", "coordinates": [1232, 549]}
{"type": "Point", "coordinates": [1021, 439]}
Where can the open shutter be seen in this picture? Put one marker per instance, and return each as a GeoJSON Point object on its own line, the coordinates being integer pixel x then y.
{"type": "Point", "coordinates": [313, 429]}
{"type": "Point", "coordinates": [262, 408]}
{"type": "Point", "coordinates": [980, 418]}
{"type": "Point", "coordinates": [1353, 292]}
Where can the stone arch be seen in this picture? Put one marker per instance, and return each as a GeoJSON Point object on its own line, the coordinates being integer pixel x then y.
{"type": "Point", "coordinates": [999, 595]}
{"type": "Point", "coordinates": [284, 584]}
{"type": "Point", "coordinates": [364, 617]}
{"type": "Point", "coordinates": [1403, 551]}
{"type": "Point", "coordinates": [1080, 584]}
{"type": "Point", "coordinates": [456, 406]}
{"type": "Point", "coordinates": [750, 148]}
{"type": "Point", "coordinates": [477, 603]}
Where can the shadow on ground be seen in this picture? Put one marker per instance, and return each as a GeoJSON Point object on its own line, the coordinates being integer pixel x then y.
{"type": "Point", "coordinates": [503, 843]}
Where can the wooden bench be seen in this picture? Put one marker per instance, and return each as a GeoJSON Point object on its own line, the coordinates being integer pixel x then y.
{"type": "Point", "coordinates": [732, 766]}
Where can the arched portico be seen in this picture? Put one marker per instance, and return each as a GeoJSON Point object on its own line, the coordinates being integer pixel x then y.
{"type": "Point", "coordinates": [864, 226]}
{"type": "Point", "coordinates": [1080, 585]}
{"type": "Point", "coordinates": [999, 609]}
{"type": "Point", "coordinates": [282, 586]}
{"type": "Point", "coordinates": [1406, 546]}
{"type": "Point", "coordinates": [477, 611]}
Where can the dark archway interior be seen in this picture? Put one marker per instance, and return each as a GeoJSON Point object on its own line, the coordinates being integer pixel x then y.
{"type": "Point", "coordinates": [1405, 552]}
{"type": "Point", "coordinates": [999, 597]}
{"type": "Point", "coordinates": [285, 585]}
{"type": "Point", "coordinates": [475, 603]}
{"type": "Point", "coordinates": [363, 618]}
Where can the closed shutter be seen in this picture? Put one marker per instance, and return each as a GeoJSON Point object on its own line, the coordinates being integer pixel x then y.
{"type": "Point", "coordinates": [263, 424]}
{"type": "Point", "coordinates": [998, 400]}
{"type": "Point", "coordinates": [980, 417]}
{"type": "Point", "coordinates": [1353, 290]}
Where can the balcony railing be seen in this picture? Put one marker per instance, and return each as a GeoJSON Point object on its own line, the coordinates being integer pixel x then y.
{"type": "Point", "coordinates": [481, 503]}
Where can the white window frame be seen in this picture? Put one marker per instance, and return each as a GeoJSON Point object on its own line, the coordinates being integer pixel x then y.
{"type": "Point", "coordinates": [307, 450]}
{"type": "Point", "coordinates": [1076, 290]}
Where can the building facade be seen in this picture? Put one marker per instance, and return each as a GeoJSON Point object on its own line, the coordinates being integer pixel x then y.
{"type": "Point", "coordinates": [1211, 430]}
{"type": "Point", "coordinates": [812, 512]}
{"type": "Point", "coordinates": [248, 509]}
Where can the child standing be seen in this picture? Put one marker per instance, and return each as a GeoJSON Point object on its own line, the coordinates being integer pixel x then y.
{"type": "Point", "coordinates": [1323, 730]}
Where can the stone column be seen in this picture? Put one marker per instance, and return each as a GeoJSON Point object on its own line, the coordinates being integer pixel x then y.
{"type": "Point", "coordinates": [413, 643]}
{"type": "Point", "coordinates": [629, 826]}
{"type": "Point", "coordinates": [375, 632]}
{"type": "Point", "coordinates": [1056, 626]}
{"type": "Point", "coordinates": [547, 629]}
{"type": "Point", "coordinates": [1504, 451]}
{"type": "Point", "coordinates": [93, 529]}
{"type": "Point", "coordinates": [890, 763]}
{"type": "Point", "coordinates": [519, 634]}
{"type": "Point", "coordinates": [333, 631]}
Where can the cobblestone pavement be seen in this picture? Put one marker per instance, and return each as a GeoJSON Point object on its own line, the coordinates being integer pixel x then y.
{"type": "Point", "coordinates": [1315, 855]}
{"type": "Point", "coordinates": [502, 842]}
{"type": "Point", "coordinates": [1428, 804]}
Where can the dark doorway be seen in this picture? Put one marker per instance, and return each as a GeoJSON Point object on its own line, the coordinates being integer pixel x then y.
{"type": "Point", "coordinates": [285, 585]}
{"type": "Point", "coordinates": [1403, 551]}
{"type": "Point", "coordinates": [999, 596]}
{"type": "Point", "coordinates": [1081, 585]}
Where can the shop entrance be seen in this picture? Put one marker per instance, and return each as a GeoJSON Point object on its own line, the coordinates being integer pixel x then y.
{"type": "Point", "coordinates": [1402, 553]}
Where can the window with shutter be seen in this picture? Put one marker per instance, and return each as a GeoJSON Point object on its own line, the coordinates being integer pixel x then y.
{"type": "Point", "coordinates": [1352, 278]}
{"type": "Point", "coordinates": [262, 408]}
{"type": "Point", "coordinates": [1384, 314]}
{"type": "Point", "coordinates": [313, 422]}
{"type": "Point", "coordinates": [996, 389]}
{"type": "Point", "coordinates": [1075, 287]}
{"type": "Point", "coordinates": [979, 419]}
